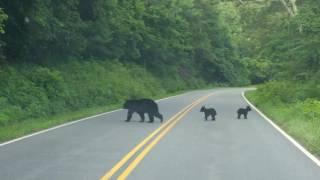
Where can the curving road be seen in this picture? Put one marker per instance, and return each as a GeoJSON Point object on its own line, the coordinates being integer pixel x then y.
{"type": "Point", "coordinates": [184, 147]}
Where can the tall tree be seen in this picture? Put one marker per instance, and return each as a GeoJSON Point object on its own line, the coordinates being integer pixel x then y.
{"type": "Point", "coordinates": [3, 18]}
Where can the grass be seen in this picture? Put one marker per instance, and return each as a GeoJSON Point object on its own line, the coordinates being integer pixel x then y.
{"type": "Point", "coordinates": [33, 125]}
{"type": "Point", "coordinates": [29, 126]}
{"type": "Point", "coordinates": [304, 129]}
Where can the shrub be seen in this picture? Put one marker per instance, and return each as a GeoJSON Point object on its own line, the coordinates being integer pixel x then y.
{"type": "Point", "coordinates": [23, 93]}
{"type": "Point", "coordinates": [33, 91]}
{"type": "Point", "coordinates": [52, 85]}
{"type": "Point", "coordinates": [9, 113]}
{"type": "Point", "coordinates": [277, 91]}
{"type": "Point", "coordinates": [310, 109]}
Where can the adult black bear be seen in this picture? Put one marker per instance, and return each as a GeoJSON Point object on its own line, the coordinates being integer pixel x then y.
{"type": "Point", "coordinates": [243, 111]}
{"type": "Point", "coordinates": [209, 112]}
{"type": "Point", "coordinates": [142, 106]}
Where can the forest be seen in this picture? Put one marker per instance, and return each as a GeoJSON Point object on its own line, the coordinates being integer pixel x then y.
{"type": "Point", "coordinates": [59, 57]}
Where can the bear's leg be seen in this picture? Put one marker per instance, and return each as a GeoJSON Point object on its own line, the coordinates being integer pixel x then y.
{"type": "Point", "coordinates": [129, 115]}
{"type": "Point", "coordinates": [245, 115]}
{"type": "Point", "coordinates": [151, 117]}
{"type": "Point", "coordinates": [213, 117]}
{"type": "Point", "coordinates": [141, 116]}
{"type": "Point", "coordinates": [158, 115]}
{"type": "Point", "coordinates": [239, 115]}
{"type": "Point", "coordinates": [206, 116]}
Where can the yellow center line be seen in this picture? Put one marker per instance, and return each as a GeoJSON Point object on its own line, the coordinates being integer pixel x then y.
{"type": "Point", "coordinates": [136, 148]}
{"type": "Point", "coordinates": [110, 173]}
{"type": "Point", "coordinates": [141, 156]}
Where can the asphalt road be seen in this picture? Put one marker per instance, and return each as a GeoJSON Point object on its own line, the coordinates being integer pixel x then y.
{"type": "Point", "coordinates": [225, 149]}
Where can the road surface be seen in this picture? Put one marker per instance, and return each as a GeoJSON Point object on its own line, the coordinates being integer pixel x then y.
{"type": "Point", "coordinates": [183, 147]}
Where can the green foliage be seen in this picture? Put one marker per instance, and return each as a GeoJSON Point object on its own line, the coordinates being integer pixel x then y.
{"type": "Point", "coordinates": [290, 106]}
{"type": "Point", "coordinates": [144, 48]}
{"type": "Point", "coordinates": [259, 70]}
{"type": "Point", "coordinates": [66, 55]}
{"type": "Point", "coordinates": [287, 92]}
{"type": "Point", "coordinates": [163, 36]}
{"type": "Point", "coordinates": [289, 43]}
{"type": "Point", "coordinates": [22, 93]}
{"type": "Point", "coordinates": [53, 85]}
{"type": "Point", "coordinates": [8, 111]}
{"type": "Point", "coordinates": [310, 109]}
{"type": "Point", "coordinates": [33, 91]}
{"type": "Point", "coordinates": [3, 18]}
{"type": "Point", "coordinates": [277, 92]}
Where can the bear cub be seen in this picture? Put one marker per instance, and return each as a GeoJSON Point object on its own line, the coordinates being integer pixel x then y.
{"type": "Point", "coordinates": [243, 111]}
{"type": "Point", "coordinates": [209, 112]}
{"type": "Point", "coordinates": [142, 106]}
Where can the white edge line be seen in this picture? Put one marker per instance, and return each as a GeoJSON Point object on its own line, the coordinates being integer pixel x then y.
{"type": "Point", "coordinates": [72, 122]}
{"type": "Point", "coordinates": [293, 141]}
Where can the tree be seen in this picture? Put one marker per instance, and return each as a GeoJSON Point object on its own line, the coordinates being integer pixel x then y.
{"type": "Point", "coordinates": [3, 18]}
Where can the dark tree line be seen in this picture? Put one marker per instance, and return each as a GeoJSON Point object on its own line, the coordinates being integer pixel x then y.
{"type": "Point", "coordinates": [168, 37]}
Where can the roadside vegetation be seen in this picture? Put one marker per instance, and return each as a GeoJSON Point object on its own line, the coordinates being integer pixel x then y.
{"type": "Point", "coordinates": [286, 55]}
{"type": "Point", "coordinates": [294, 107]}
{"type": "Point", "coordinates": [62, 60]}
{"type": "Point", "coordinates": [39, 97]}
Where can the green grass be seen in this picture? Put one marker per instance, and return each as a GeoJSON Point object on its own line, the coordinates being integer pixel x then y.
{"type": "Point", "coordinates": [290, 117]}
{"type": "Point", "coordinates": [34, 97]}
{"type": "Point", "coordinates": [29, 126]}
{"type": "Point", "coordinates": [33, 125]}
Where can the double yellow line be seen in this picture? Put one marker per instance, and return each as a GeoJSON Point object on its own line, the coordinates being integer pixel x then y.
{"type": "Point", "coordinates": [159, 133]}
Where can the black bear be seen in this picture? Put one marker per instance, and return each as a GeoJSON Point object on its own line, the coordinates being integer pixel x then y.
{"type": "Point", "coordinates": [142, 106]}
{"type": "Point", "coordinates": [243, 111]}
{"type": "Point", "coordinates": [209, 112]}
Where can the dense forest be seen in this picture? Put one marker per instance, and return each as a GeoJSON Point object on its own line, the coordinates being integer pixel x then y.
{"type": "Point", "coordinates": [282, 51]}
{"type": "Point", "coordinates": [62, 56]}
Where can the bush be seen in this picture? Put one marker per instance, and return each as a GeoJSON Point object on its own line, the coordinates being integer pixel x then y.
{"type": "Point", "coordinates": [23, 94]}
{"type": "Point", "coordinates": [33, 91]}
{"type": "Point", "coordinates": [294, 108]}
{"type": "Point", "coordinates": [310, 109]}
{"type": "Point", "coordinates": [8, 113]}
{"type": "Point", "coordinates": [287, 91]}
{"type": "Point", "coordinates": [104, 83]}
{"type": "Point", "coordinates": [276, 92]}
{"type": "Point", "coordinates": [258, 69]}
